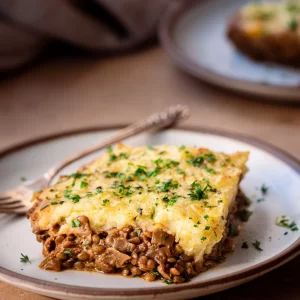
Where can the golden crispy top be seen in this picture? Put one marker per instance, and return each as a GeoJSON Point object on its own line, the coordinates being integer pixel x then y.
{"type": "Point", "coordinates": [186, 191]}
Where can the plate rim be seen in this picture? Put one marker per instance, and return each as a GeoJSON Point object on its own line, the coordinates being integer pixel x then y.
{"type": "Point", "coordinates": [174, 12]}
{"type": "Point", "coordinates": [239, 276]}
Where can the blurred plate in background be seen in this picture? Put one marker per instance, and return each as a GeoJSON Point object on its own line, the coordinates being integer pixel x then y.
{"type": "Point", "coordinates": [194, 34]}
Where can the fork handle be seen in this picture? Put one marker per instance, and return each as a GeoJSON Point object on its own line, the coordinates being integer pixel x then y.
{"type": "Point", "coordinates": [155, 121]}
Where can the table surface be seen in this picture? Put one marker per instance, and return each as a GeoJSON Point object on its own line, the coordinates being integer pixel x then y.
{"type": "Point", "coordinates": [75, 92]}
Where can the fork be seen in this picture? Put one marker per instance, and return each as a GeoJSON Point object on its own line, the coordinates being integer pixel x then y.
{"type": "Point", "coordinates": [18, 200]}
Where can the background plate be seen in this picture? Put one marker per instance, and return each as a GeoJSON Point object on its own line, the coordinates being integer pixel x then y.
{"type": "Point", "coordinates": [194, 34]}
{"type": "Point", "coordinates": [266, 164]}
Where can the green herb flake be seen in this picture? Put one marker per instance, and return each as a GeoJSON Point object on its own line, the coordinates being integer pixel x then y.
{"type": "Point", "coordinates": [123, 155]}
{"type": "Point", "coordinates": [68, 252]}
{"type": "Point", "coordinates": [264, 189]}
{"type": "Point", "coordinates": [75, 198]}
{"type": "Point", "coordinates": [150, 147]}
{"type": "Point", "coordinates": [292, 24]}
{"type": "Point", "coordinates": [182, 147]}
{"type": "Point", "coordinates": [99, 190]}
{"type": "Point", "coordinates": [86, 245]}
{"type": "Point", "coordinates": [233, 230]}
{"type": "Point", "coordinates": [245, 215]}
{"type": "Point", "coordinates": [75, 223]}
{"type": "Point", "coordinates": [56, 203]}
{"type": "Point", "coordinates": [168, 282]}
{"type": "Point", "coordinates": [207, 228]}
{"type": "Point", "coordinates": [104, 202]}
{"type": "Point", "coordinates": [139, 232]}
{"type": "Point", "coordinates": [113, 157]}
{"type": "Point", "coordinates": [284, 221]}
{"type": "Point", "coordinates": [203, 239]}
{"type": "Point", "coordinates": [244, 245]}
{"type": "Point", "coordinates": [211, 171]}
{"type": "Point", "coordinates": [109, 149]}
{"type": "Point", "coordinates": [206, 217]}
{"type": "Point", "coordinates": [45, 206]}
{"type": "Point", "coordinates": [140, 211]}
{"type": "Point", "coordinates": [256, 245]}
{"type": "Point", "coordinates": [197, 193]}
{"type": "Point", "coordinates": [83, 184]}
{"type": "Point", "coordinates": [24, 258]}
{"type": "Point", "coordinates": [153, 213]}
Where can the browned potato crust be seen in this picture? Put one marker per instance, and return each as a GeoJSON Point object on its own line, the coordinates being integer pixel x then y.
{"type": "Point", "coordinates": [283, 48]}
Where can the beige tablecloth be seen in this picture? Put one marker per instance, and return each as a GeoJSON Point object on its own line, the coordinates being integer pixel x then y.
{"type": "Point", "coordinates": [73, 93]}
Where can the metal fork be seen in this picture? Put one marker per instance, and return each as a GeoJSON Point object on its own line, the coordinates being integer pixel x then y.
{"type": "Point", "coordinates": [18, 200]}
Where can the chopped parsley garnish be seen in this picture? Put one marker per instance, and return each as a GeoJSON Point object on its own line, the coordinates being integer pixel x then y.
{"type": "Point", "coordinates": [168, 185]}
{"type": "Point", "coordinates": [109, 149]}
{"type": "Point", "coordinates": [292, 24]}
{"type": "Point", "coordinates": [245, 215]}
{"type": "Point", "coordinates": [211, 158]}
{"type": "Point", "coordinates": [43, 207]}
{"type": "Point", "coordinates": [56, 203]}
{"type": "Point", "coordinates": [197, 193]}
{"type": "Point", "coordinates": [104, 202]}
{"type": "Point", "coordinates": [24, 258]}
{"type": "Point", "coordinates": [203, 239]}
{"type": "Point", "coordinates": [140, 211]}
{"type": "Point", "coordinates": [139, 232]}
{"type": "Point", "coordinates": [284, 221]}
{"type": "Point", "coordinates": [166, 237]}
{"type": "Point", "coordinates": [150, 147]}
{"type": "Point", "coordinates": [256, 245]}
{"type": "Point", "coordinates": [76, 176]}
{"type": "Point", "coordinates": [180, 171]}
{"type": "Point", "coordinates": [264, 189]}
{"type": "Point", "coordinates": [245, 245]}
{"type": "Point", "coordinates": [75, 223]}
{"type": "Point", "coordinates": [99, 190]}
{"type": "Point", "coordinates": [75, 198]}
{"type": "Point", "coordinates": [172, 201]}
{"type": "Point", "coordinates": [233, 230]}
{"type": "Point", "coordinates": [168, 282]}
{"type": "Point", "coordinates": [86, 245]}
{"type": "Point", "coordinates": [220, 201]}
{"type": "Point", "coordinates": [182, 147]}
{"type": "Point", "coordinates": [113, 157]}
{"type": "Point", "coordinates": [123, 155]}
{"type": "Point", "coordinates": [211, 171]}
{"type": "Point", "coordinates": [207, 228]}
{"type": "Point", "coordinates": [68, 252]}
{"type": "Point", "coordinates": [196, 161]}
{"type": "Point", "coordinates": [206, 217]}
{"type": "Point", "coordinates": [153, 213]}
{"type": "Point", "coordinates": [83, 184]}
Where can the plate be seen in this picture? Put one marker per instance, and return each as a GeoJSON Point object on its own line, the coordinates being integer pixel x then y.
{"type": "Point", "coordinates": [267, 166]}
{"type": "Point", "coordinates": [194, 35]}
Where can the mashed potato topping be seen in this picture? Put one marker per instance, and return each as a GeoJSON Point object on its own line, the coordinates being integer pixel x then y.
{"type": "Point", "coordinates": [183, 190]}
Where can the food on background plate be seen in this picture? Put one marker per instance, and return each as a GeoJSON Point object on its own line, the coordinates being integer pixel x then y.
{"type": "Point", "coordinates": [161, 212]}
{"type": "Point", "coordinates": [268, 31]}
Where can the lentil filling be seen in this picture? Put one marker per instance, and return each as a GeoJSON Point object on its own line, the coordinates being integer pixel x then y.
{"type": "Point", "coordinates": [133, 252]}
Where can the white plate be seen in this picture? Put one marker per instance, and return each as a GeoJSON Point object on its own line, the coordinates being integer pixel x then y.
{"type": "Point", "coordinates": [267, 165]}
{"type": "Point", "coordinates": [194, 35]}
